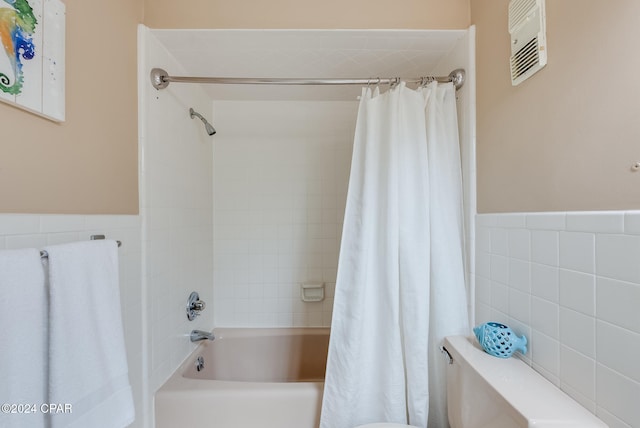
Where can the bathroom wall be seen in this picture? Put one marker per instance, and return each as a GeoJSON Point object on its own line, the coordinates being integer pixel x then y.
{"type": "Point", "coordinates": [176, 210]}
{"type": "Point", "coordinates": [565, 139]}
{"type": "Point", "coordinates": [88, 164]}
{"type": "Point", "coordinates": [37, 231]}
{"type": "Point", "coordinates": [570, 282]}
{"type": "Point", "coordinates": [281, 171]}
{"type": "Point", "coordinates": [410, 14]}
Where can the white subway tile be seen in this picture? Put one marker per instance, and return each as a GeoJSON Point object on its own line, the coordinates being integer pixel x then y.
{"type": "Point", "coordinates": [545, 351]}
{"type": "Point", "coordinates": [577, 251]}
{"type": "Point", "coordinates": [483, 313]}
{"type": "Point", "coordinates": [546, 374]}
{"type": "Point", "coordinates": [14, 242]}
{"type": "Point", "coordinates": [618, 395]}
{"type": "Point", "coordinates": [578, 331]}
{"type": "Point", "coordinates": [618, 303]}
{"type": "Point", "coordinates": [610, 419]}
{"type": "Point", "coordinates": [605, 222]}
{"type": "Point", "coordinates": [618, 256]}
{"type": "Point", "coordinates": [578, 371]}
{"type": "Point", "coordinates": [483, 289]}
{"type": "Point", "coordinates": [545, 317]}
{"type": "Point", "coordinates": [546, 221]}
{"type": "Point", "coordinates": [499, 242]}
{"type": "Point", "coordinates": [544, 247]}
{"type": "Point", "coordinates": [130, 221]}
{"type": "Point", "coordinates": [486, 220]}
{"type": "Point", "coordinates": [618, 349]}
{"type": "Point", "coordinates": [483, 239]}
{"type": "Point", "coordinates": [500, 269]}
{"type": "Point", "coordinates": [62, 238]}
{"type": "Point", "coordinates": [512, 220]}
{"type": "Point", "coordinates": [499, 297]}
{"type": "Point", "coordinates": [498, 316]}
{"type": "Point", "coordinates": [483, 264]}
{"type": "Point", "coordinates": [520, 275]}
{"type": "Point", "coordinates": [17, 224]}
{"type": "Point", "coordinates": [61, 223]}
{"type": "Point", "coordinates": [632, 223]}
{"type": "Point", "coordinates": [588, 404]}
{"type": "Point", "coordinates": [520, 244]}
{"type": "Point", "coordinates": [520, 306]}
{"type": "Point", "coordinates": [544, 282]}
{"type": "Point", "coordinates": [99, 222]}
{"type": "Point", "coordinates": [577, 291]}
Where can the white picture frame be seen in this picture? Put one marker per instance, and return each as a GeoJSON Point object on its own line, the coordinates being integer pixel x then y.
{"type": "Point", "coordinates": [32, 56]}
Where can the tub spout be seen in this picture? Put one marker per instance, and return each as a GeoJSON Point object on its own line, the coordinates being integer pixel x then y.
{"type": "Point", "coordinates": [198, 335]}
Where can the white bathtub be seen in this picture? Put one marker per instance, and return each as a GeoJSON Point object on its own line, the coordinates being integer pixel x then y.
{"type": "Point", "coordinates": [251, 378]}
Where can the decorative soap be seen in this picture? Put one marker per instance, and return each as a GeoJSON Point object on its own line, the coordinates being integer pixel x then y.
{"type": "Point", "coordinates": [499, 340]}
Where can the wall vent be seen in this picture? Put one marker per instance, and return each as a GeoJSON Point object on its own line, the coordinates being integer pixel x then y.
{"type": "Point", "coordinates": [528, 38]}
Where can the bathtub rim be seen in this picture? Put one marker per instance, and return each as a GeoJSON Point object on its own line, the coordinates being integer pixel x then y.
{"type": "Point", "coordinates": [178, 383]}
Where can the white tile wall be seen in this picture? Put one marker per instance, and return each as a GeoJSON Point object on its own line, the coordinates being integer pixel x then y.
{"type": "Point", "coordinates": [31, 230]}
{"type": "Point", "coordinates": [580, 313]}
{"type": "Point", "coordinates": [176, 208]}
{"type": "Point", "coordinates": [281, 172]}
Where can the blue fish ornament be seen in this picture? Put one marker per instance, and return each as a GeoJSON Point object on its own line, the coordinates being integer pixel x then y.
{"type": "Point", "coordinates": [499, 340]}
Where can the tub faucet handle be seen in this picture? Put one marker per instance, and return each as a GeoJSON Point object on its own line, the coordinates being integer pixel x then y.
{"type": "Point", "coordinates": [194, 306]}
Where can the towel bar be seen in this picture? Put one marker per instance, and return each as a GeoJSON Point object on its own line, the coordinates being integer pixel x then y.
{"type": "Point", "coordinates": [44, 254]}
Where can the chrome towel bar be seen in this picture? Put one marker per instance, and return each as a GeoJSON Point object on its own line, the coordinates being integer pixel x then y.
{"type": "Point", "coordinates": [44, 254]}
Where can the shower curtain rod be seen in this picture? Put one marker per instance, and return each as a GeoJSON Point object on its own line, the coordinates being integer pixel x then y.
{"type": "Point", "coordinates": [160, 79]}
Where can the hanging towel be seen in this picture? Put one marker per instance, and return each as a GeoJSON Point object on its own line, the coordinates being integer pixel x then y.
{"type": "Point", "coordinates": [23, 337]}
{"type": "Point", "coordinates": [88, 364]}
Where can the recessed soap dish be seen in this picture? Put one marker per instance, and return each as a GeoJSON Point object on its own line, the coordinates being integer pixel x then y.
{"type": "Point", "coordinates": [312, 292]}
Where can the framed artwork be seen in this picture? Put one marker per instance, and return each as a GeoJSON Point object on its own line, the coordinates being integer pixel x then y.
{"type": "Point", "coordinates": [32, 34]}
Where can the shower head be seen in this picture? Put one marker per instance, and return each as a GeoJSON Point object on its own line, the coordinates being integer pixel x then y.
{"type": "Point", "coordinates": [210, 129]}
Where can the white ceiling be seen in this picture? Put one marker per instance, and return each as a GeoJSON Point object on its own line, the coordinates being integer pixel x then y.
{"type": "Point", "coordinates": [304, 54]}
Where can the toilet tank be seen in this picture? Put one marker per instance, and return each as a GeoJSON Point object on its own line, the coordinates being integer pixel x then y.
{"type": "Point", "coordinates": [488, 392]}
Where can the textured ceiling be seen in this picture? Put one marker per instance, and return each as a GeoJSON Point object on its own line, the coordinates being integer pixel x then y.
{"type": "Point", "coordinates": [304, 54]}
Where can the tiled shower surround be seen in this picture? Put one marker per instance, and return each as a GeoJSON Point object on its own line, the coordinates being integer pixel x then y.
{"type": "Point", "coordinates": [279, 199]}
{"type": "Point", "coordinates": [571, 283]}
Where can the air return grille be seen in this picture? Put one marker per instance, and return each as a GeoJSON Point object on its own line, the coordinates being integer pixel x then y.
{"type": "Point", "coordinates": [518, 11]}
{"type": "Point", "coordinates": [528, 39]}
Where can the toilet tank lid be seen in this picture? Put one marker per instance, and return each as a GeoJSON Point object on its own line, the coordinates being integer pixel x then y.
{"type": "Point", "coordinates": [539, 401]}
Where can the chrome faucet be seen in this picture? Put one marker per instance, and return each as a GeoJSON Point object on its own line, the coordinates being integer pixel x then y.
{"type": "Point", "coordinates": [198, 335]}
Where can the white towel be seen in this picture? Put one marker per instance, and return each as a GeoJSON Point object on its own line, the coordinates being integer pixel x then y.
{"type": "Point", "coordinates": [23, 337]}
{"type": "Point", "coordinates": [87, 358]}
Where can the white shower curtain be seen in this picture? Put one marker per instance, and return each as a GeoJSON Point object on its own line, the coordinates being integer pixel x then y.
{"type": "Point", "coordinates": [400, 286]}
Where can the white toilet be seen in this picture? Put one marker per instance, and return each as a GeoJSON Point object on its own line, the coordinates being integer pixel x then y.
{"type": "Point", "coordinates": [489, 392]}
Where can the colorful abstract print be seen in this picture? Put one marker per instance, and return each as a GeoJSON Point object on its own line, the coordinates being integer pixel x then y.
{"type": "Point", "coordinates": [17, 25]}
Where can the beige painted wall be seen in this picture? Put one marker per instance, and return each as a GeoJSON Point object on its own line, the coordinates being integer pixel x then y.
{"type": "Point", "coordinates": [411, 14]}
{"type": "Point", "coordinates": [88, 164]}
{"type": "Point", "coordinates": [566, 138]}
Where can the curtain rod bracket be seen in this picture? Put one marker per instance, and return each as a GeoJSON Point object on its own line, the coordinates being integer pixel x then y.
{"type": "Point", "coordinates": [457, 76]}
{"type": "Point", "coordinates": [159, 78]}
